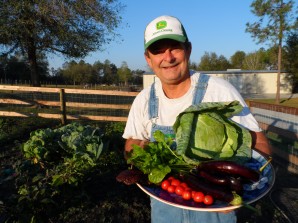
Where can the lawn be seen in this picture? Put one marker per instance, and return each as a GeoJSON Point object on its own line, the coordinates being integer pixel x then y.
{"type": "Point", "coordinates": [290, 102]}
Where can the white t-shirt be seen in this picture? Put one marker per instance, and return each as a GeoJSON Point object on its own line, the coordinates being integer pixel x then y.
{"type": "Point", "coordinates": [139, 125]}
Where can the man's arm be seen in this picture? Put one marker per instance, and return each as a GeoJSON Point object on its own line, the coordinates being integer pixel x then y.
{"type": "Point", "coordinates": [261, 143]}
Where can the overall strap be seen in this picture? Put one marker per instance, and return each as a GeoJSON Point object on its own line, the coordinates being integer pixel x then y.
{"type": "Point", "coordinates": [153, 103]}
{"type": "Point", "coordinates": [200, 89]}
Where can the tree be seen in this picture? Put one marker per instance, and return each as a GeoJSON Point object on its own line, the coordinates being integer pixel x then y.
{"type": "Point", "coordinates": [16, 69]}
{"type": "Point", "coordinates": [291, 57]}
{"type": "Point", "coordinates": [137, 77]}
{"type": "Point", "coordinates": [124, 73]}
{"type": "Point", "coordinates": [98, 69]}
{"type": "Point", "coordinates": [110, 73]}
{"type": "Point", "coordinates": [72, 28]}
{"type": "Point", "coordinates": [237, 59]}
{"type": "Point", "coordinates": [79, 73]}
{"type": "Point", "coordinates": [210, 61]}
{"type": "Point", "coordinates": [253, 61]}
{"type": "Point", "coordinates": [280, 21]}
{"type": "Point", "coordinates": [192, 65]}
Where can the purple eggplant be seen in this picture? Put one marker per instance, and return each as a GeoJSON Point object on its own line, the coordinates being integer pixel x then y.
{"type": "Point", "coordinates": [230, 168]}
{"type": "Point", "coordinates": [230, 182]}
{"type": "Point", "coordinates": [214, 178]}
{"type": "Point", "coordinates": [216, 191]}
{"type": "Point", "coordinates": [236, 185]}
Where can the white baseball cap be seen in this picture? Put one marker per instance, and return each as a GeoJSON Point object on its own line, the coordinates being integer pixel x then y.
{"type": "Point", "coordinates": [164, 27]}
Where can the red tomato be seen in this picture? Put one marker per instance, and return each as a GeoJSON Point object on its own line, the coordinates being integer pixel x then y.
{"type": "Point", "coordinates": [198, 197]}
{"type": "Point", "coordinates": [183, 185]}
{"type": "Point", "coordinates": [170, 179]}
{"type": "Point", "coordinates": [188, 189]}
{"type": "Point", "coordinates": [193, 193]}
{"type": "Point", "coordinates": [208, 200]}
{"type": "Point", "coordinates": [165, 184]}
{"type": "Point", "coordinates": [171, 189]}
{"type": "Point", "coordinates": [186, 195]}
{"type": "Point", "coordinates": [179, 190]}
{"type": "Point", "coordinates": [175, 182]}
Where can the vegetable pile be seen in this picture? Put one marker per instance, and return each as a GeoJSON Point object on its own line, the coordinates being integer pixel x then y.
{"type": "Point", "coordinates": [209, 156]}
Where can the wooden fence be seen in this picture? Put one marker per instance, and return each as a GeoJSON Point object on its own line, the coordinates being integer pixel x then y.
{"type": "Point", "coordinates": [62, 103]}
{"type": "Point", "coordinates": [14, 103]}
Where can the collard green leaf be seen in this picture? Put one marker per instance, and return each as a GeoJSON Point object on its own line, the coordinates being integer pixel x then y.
{"type": "Point", "coordinates": [158, 173]}
{"type": "Point", "coordinates": [157, 159]}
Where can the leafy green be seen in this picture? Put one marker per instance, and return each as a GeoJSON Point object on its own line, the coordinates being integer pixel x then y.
{"type": "Point", "coordinates": [69, 151]}
{"type": "Point", "coordinates": [205, 131]}
{"type": "Point", "coordinates": [157, 159]}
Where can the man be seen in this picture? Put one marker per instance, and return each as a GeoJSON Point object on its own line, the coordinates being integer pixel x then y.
{"type": "Point", "coordinates": [167, 52]}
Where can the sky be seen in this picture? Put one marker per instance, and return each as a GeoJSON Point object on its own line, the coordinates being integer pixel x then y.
{"type": "Point", "coordinates": [211, 25]}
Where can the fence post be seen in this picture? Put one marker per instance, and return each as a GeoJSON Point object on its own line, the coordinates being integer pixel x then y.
{"type": "Point", "coordinates": [62, 106]}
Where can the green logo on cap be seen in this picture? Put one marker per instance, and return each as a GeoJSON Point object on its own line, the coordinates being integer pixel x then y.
{"type": "Point", "coordinates": [161, 25]}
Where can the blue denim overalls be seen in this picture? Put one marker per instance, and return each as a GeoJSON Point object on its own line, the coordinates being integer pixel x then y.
{"type": "Point", "coordinates": [161, 212]}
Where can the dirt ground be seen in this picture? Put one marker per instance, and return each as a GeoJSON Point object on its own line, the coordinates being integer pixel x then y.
{"type": "Point", "coordinates": [280, 205]}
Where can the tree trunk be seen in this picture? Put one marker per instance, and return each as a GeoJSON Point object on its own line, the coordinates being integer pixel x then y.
{"type": "Point", "coordinates": [35, 82]}
{"type": "Point", "coordinates": [280, 37]}
{"type": "Point", "coordinates": [277, 98]}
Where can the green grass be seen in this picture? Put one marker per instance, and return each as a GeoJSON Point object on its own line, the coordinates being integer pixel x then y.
{"type": "Point", "coordinates": [290, 102]}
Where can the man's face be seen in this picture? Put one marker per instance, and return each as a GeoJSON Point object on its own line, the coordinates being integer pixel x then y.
{"type": "Point", "coordinates": [169, 60]}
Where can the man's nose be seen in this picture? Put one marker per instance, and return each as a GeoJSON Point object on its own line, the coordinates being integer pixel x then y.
{"type": "Point", "coordinates": [168, 55]}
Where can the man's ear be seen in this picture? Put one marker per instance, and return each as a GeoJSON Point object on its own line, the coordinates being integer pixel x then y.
{"type": "Point", "coordinates": [147, 58]}
{"type": "Point", "coordinates": [188, 49]}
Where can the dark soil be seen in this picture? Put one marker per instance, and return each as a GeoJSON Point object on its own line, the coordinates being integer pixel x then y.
{"type": "Point", "coordinates": [115, 202]}
{"type": "Point", "coordinates": [111, 201]}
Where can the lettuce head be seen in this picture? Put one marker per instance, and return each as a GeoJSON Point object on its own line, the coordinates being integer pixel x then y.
{"type": "Point", "coordinates": [205, 131]}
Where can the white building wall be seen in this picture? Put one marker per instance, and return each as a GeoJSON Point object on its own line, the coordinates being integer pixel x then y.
{"type": "Point", "coordinates": [250, 82]}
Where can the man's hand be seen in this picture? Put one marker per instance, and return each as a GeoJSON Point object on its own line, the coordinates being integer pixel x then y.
{"type": "Point", "coordinates": [130, 142]}
{"type": "Point", "coordinates": [261, 143]}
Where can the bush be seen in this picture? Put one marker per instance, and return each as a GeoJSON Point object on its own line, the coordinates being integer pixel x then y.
{"type": "Point", "coordinates": [67, 174]}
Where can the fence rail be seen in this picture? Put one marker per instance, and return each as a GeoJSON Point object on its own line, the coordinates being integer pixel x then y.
{"type": "Point", "coordinates": [103, 105]}
{"type": "Point", "coordinates": [13, 98]}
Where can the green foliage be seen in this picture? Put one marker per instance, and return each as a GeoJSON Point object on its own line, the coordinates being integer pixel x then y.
{"type": "Point", "coordinates": [84, 73]}
{"type": "Point", "coordinates": [124, 73]}
{"type": "Point", "coordinates": [72, 28]}
{"type": "Point", "coordinates": [291, 53]}
{"type": "Point", "coordinates": [3, 129]}
{"type": "Point", "coordinates": [58, 166]}
{"type": "Point", "coordinates": [79, 73]}
{"type": "Point", "coordinates": [27, 192]}
{"type": "Point", "coordinates": [275, 20]}
{"type": "Point", "coordinates": [69, 151]}
{"type": "Point", "coordinates": [237, 59]}
{"type": "Point", "coordinates": [210, 61]}
{"type": "Point", "coordinates": [12, 129]}
{"type": "Point", "coordinates": [157, 159]}
{"type": "Point", "coordinates": [57, 162]}
{"type": "Point", "coordinates": [256, 61]}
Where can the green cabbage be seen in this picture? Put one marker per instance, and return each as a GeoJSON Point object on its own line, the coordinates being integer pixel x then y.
{"type": "Point", "coordinates": [205, 131]}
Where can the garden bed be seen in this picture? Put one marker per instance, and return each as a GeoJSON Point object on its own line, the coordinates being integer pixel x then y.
{"type": "Point", "coordinates": [100, 198]}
